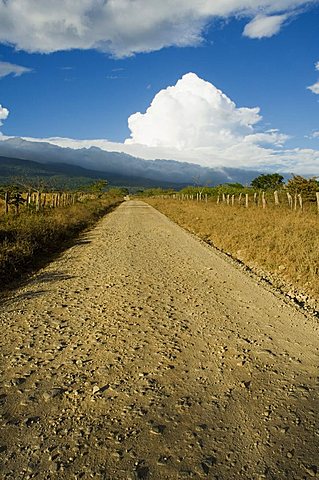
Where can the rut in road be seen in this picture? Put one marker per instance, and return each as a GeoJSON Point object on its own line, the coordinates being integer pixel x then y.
{"type": "Point", "coordinates": [142, 353]}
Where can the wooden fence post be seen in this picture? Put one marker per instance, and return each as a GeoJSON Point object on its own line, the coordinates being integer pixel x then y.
{"type": "Point", "coordinates": [246, 200]}
{"type": "Point", "coordinates": [317, 196]}
{"type": "Point", "coordinates": [289, 200]}
{"type": "Point", "coordinates": [239, 198]}
{"type": "Point", "coordinates": [233, 200]}
{"type": "Point", "coordinates": [263, 199]}
{"type": "Point", "coordinates": [227, 199]}
{"type": "Point", "coordinates": [38, 201]}
{"type": "Point", "coordinates": [300, 201]}
{"type": "Point", "coordinates": [295, 202]}
{"type": "Point", "coordinates": [276, 198]}
{"type": "Point", "coordinates": [218, 199]}
{"type": "Point", "coordinates": [17, 203]}
{"type": "Point", "coordinates": [256, 198]}
{"type": "Point", "coordinates": [6, 202]}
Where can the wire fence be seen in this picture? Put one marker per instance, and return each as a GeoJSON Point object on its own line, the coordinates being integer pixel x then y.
{"type": "Point", "coordinates": [294, 202]}
{"type": "Point", "coordinates": [15, 202]}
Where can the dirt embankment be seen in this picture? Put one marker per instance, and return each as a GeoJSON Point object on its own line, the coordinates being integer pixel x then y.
{"type": "Point", "coordinates": [141, 353]}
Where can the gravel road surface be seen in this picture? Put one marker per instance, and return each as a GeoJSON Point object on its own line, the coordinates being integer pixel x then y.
{"type": "Point", "coordinates": [141, 353]}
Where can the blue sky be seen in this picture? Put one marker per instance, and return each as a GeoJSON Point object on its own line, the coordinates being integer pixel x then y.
{"type": "Point", "coordinates": [90, 91]}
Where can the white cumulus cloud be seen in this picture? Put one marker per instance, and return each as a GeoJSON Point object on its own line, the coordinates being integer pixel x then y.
{"type": "Point", "coordinates": [264, 26]}
{"type": "Point", "coordinates": [4, 112]}
{"type": "Point", "coordinates": [7, 68]}
{"type": "Point", "coordinates": [125, 27]}
{"type": "Point", "coordinates": [196, 122]}
{"type": "Point", "coordinates": [191, 114]}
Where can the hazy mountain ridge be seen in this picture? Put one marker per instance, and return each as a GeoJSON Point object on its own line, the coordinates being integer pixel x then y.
{"type": "Point", "coordinates": [117, 168]}
{"type": "Point", "coordinates": [60, 175]}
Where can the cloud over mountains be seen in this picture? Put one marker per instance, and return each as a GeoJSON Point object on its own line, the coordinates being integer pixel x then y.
{"type": "Point", "coordinates": [195, 122]}
{"type": "Point", "coordinates": [115, 166]}
{"type": "Point", "coordinates": [125, 27]}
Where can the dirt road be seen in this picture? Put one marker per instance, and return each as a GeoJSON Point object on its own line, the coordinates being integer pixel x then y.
{"type": "Point", "coordinates": [142, 353]}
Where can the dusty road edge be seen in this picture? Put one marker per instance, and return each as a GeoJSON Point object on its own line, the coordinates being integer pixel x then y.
{"type": "Point", "coordinates": [286, 292]}
{"type": "Point", "coordinates": [45, 258]}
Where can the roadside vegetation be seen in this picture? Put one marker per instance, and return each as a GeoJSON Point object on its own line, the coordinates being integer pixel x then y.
{"type": "Point", "coordinates": [279, 239]}
{"type": "Point", "coordinates": [29, 236]}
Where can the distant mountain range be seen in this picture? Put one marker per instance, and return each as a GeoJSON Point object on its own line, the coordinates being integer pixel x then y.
{"type": "Point", "coordinates": [70, 167]}
{"type": "Point", "coordinates": [62, 175]}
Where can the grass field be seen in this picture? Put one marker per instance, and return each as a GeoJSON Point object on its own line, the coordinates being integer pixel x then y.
{"type": "Point", "coordinates": [280, 243]}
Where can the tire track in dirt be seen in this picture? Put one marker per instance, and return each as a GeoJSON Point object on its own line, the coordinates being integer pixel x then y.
{"type": "Point", "coordinates": [141, 353]}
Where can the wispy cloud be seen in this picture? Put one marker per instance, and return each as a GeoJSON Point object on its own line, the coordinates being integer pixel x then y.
{"type": "Point", "coordinates": [264, 26]}
{"type": "Point", "coordinates": [315, 87]}
{"type": "Point", "coordinates": [314, 134]}
{"type": "Point", "coordinates": [7, 68]}
{"type": "Point", "coordinates": [115, 77]}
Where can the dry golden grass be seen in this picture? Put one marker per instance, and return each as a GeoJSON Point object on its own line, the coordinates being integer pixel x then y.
{"type": "Point", "coordinates": [27, 239]}
{"type": "Point", "coordinates": [282, 243]}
